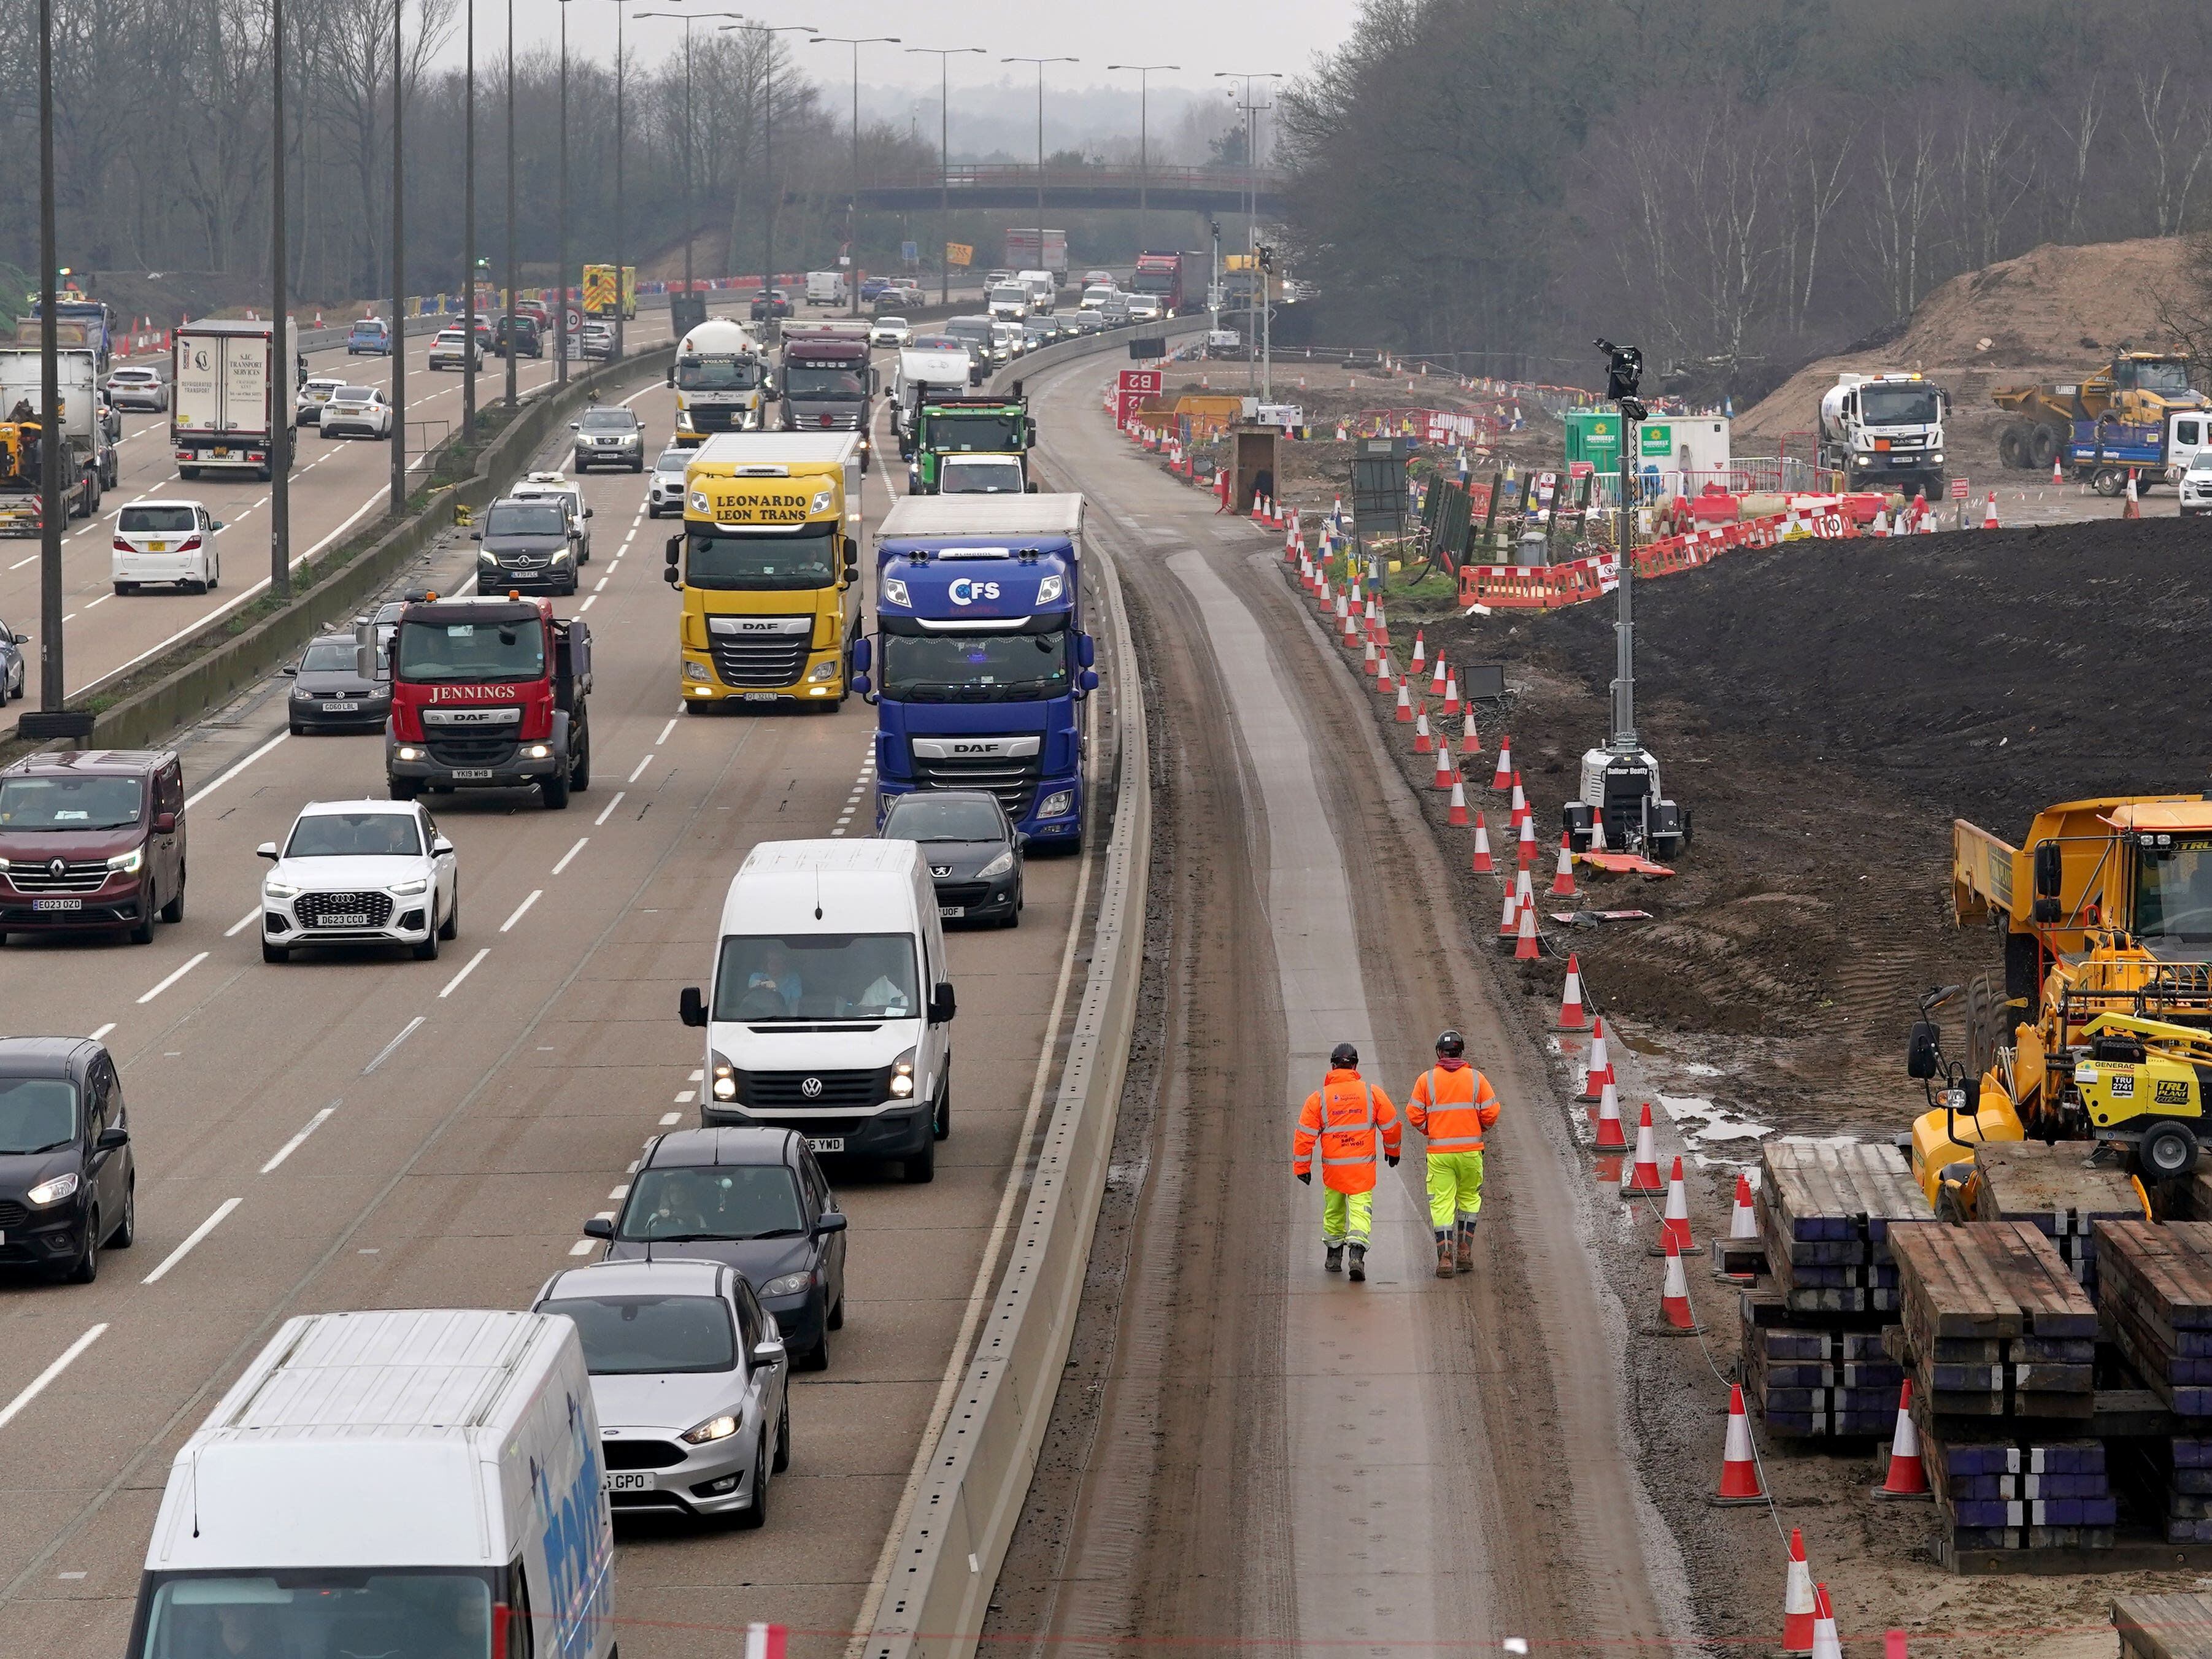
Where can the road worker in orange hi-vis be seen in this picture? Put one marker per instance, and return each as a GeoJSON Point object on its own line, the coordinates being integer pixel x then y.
{"type": "Point", "coordinates": [1452, 1103]}
{"type": "Point", "coordinates": [1343, 1119]}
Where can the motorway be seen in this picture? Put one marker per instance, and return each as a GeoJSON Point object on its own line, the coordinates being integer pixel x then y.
{"type": "Point", "coordinates": [376, 1132]}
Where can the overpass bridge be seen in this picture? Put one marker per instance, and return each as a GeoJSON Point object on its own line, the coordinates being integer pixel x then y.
{"type": "Point", "coordinates": [1010, 185]}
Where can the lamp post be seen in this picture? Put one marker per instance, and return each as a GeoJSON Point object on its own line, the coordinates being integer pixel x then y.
{"type": "Point", "coordinates": [621, 66]}
{"type": "Point", "coordinates": [1144, 73]}
{"type": "Point", "coordinates": [944, 55]}
{"type": "Point", "coordinates": [279, 409]}
{"type": "Point", "coordinates": [51, 692]}
{"type": "Point", "coordinates": [768, 32]}
{"type": "Point", "coordinates": [687, 19]}
{"type": "Point", "coordinates": [852, 206]}
{"type": "Point", "coordinates": [1255, 297]}
{"type": "Point", "coordinates": [561, 227]}
{"type": "Point", "coordinates": [1040, 63]}
{"type": "Point", "coordinates": [513, 356]}
{"type": "Point", "coordinates": [469, 230]}
{"type": "Point", "coordinates": [398, 273]}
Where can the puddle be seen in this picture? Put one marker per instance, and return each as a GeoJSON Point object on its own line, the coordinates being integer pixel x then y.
{"type": "Point", "coordinates": [1704, 1124]}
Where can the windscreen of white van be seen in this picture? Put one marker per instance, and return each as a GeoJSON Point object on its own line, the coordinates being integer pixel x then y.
{"type": "Point", "coordinates": [762, 978]}
{"type": "Point", "coordinates": [410, 1610]}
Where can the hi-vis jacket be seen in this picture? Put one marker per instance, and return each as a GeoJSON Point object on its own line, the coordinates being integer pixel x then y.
{"type": "Point", "coordinates": [1343, 1116]}
{"type": "Point", "coordinates": [1452, 1103]}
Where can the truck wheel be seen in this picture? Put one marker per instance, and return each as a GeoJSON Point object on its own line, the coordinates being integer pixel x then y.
{"type": "Point", "coordinates": [555, 791]}
{"type": "Point", "coordinates": [2041, 447]}
{"type": "Point", "coordinates": [2013, 447]}
{"type": "Point", "coordinates": [2110, 482]}
{"type": "Point", "coordinates": [2167, 1151]}
{"type": "Point", "coordinates": [580, 774]}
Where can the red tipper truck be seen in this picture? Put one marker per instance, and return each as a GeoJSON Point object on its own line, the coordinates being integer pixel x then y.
{"type": "Point", "coordinates": [1161, 276]}
{"type": "Point", "coordinates": [486, 693]}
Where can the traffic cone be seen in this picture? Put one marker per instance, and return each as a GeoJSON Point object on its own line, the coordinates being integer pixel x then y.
{"type": "Point", "coordinates": [1908, 1477]}
{"type": "Point", "coordinates": [1644, 1177]}
{"type": "Point", "coordinates": [1525, 948]}
{"type": "Point", "coordinates": [1508, 920]}
{"type": "Point", "coordinates": [1421, 655]}
{"type": "Point", "coordinates": [1521, 812]}
{"type": "Point", "coordinates": [1797, 1600]}
{"type": "Point", "coordinates": [1743, 1221]}
{"type": "Point", "coordinates": [1563, 878]}
{"type": "Point", "coordinates": [1367, 661]}
{"type": "Point", "coordinates": [2133, 509]}
{"type": "Point", "coordinates": [1470, 740]}
{"type": "Point", "coordinates": [1597, 1069]}
{"type": "Point", "coordinates": [1456, 816]}
{"type": "Point", "coordinates": [1483, 864]}
{"type": "Point", "coordinates": [1674, 1292]}
{"type": "Point", "coordinates": [1524, 895]}
{"type": "Point", "coordinates": [1524, 845]}
{"type": "Point", "coordinates": [1610, 1137]}
{"type": "Point", "coordinates": [1597, 832]}
{"type": "Point", "coordinates": [2057, 471]}
{"type": "Point", "coordinates": [1881, 525]}
{"type": "Point", "coordinates": [1381, 626]}
{"type": "Point", "coordinates": [1674, 1222]}
{"type": "Point", "coordinates": [1739, 1468]}
{"type": "Point", "coordinates": [1443, 780]}
{"type": "Point", "coordinates": [1385, 681]}
{"type": "Point", "coordinates": [1990, 513]}
{"type": "Point", "coordinates": [1405, 707]}
{"type": "Point", "coordinates": [1255, 506]}
{"type": "Point", "coordinates": [1573, 1017]}
{"type": "Point", "coordinates": [1503, 778]}
{"type": "Point", "coordinates": [1421, 743]}
{"type": "Point", "coordinates": [1437, 675]}
{"type": "Point", "coordinates": [766, 1641]}
{"type": "Point", "coordinates": [1826, 1644]}
{"type": "Point", "coordinates": [1451, 693]}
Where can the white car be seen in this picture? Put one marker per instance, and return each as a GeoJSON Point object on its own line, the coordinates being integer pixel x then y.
{"type": "Point", "coordinates": [360, 873]}
{"type": "Point", "coordinates": [890, 331]}
{"type": "Point", "coordinates": [555, 486]}
{"type": "Point", "coordinates": [666, 492]}
{"type": "Point", "coordinates": [138, 388]}
{"type": "Point", "coordinates": [307, 407]}
{"type": "Point", "coordinates": [166, 541]}
{"type": "Point", "coordinates": [356, 411]}
{"type": "Point", "coordinates": [1095, 296]}
{"type": "Point", "coordinates": [1143, 308]}
{"type": "Point", "coordinates": [451, 350]}
{"type": "Point", "coordinates": [2196, 490]}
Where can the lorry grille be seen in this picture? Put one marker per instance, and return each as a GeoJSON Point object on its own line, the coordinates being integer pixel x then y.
{"type": "Point", "coordinates": [772, 1090]}
{"type": "Point", "coordinates": [718, 417]}
{"type": "Point", "coordinates": [1012, 779]}
{"type": "Point", "coordinates": [477, 748]}
{"type": "Point", "coordinates": [86, 876]}
{"type": "Point", "coordinates": [826, 421]}
{"type": "Point", "coordinates": [640, 1453]}
{"type": "Point", "coordinates": [311, 909]}
{"type": "Point", "coordinates": [762, 662]}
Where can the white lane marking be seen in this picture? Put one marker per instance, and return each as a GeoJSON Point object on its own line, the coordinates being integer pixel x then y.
{"type": "Point", "coordinates": [522, 909]}
{"type": "Point", "coordinates": [300, 1140]}
{"type": "Point", "coordinates": [686, 1097]}
{"type": "Point", "coordinates": [454, 983]}
{"type": "Point", "coordinates": [191, 1239]}
{"type": "Point", "coordinates": [581, 1247]}
{"type": "Point", "coordinates": [242, 923]}
{"type": "Point", "coordinates": [607, 812]}
{"type": "Point", "coordinates": [102, 599]}
{"type": "Point", "coordinates": [409, 1030]}
{"type": "Point", "coordinates": [570, 854]}
{"type": "Point", "coordinates": [18, 565]}
{"type": "Point", "coordinates": [669, 1119]}
{"type": "Point", "coordinates": [39, 1384]}
{"type": "Point", "coordinates": [173, 979]}
{"type": "Point", "coordinates": [602, 587]}
{"type": "Point", "coordinates": [619, 1194]}
{"type": "Point", "coordinates": [588, 603]}
{"type": "Point", "coordinates": [222, 778]}
{"type": "Point", "coordinates": [103, 1031]}
{"type": "Point", "coordinates": [698, 1076]}
{"type": "Point", "coordinates": [666, 730]}
{"type": "Point", "coordinates": [640, 772]}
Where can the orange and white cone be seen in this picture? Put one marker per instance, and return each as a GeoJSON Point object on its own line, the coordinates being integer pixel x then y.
{"type": "Point", "coordinates": [1258, 517]}
{"type": "Point", "coordinates": [1524, 895]}
{"type": "Point", "coordinates": [1385, 680]}
{"type": "Point", "coordinates": [1597, 1070]}
{"type": "Point", "coordinates": [1520, 813]}
{"type": "Point", "coordinates": [1382, 622]}
{"type": "Point", "coordinates": [1675, 1294]}
{"type": "Point", "coordinates": [1563, 878]}
{"type": "Point", "coordinates": [2057, 470]}
{"type": "Point", "coordinates": [1451, 693]}
{"type": "Point", "coordinates": [1484, 865]}
{"type": "Point", "coordinates": [1597, 832]}
{"type": "Point", "coordinates": [1456, 815]}
{"type": "Point", "coordinates": [1908, 1475]}
{"type": "Point", "coordinates": [1826, 1644]}
{"type": "Point", "coordinates": [1503, 778]}
{"type": "Point", "coordinates": [1437, 675]}
{"type": "Point", "coordinates": [1610, 1136]}
{"type": "Point", "coordinates": [1798, 1605]}
{"type": "Point", "coordinates": [1572, 1016]}
{"type": "Point", "coordinates": [1739, 1468]}
{"type": "Point", "coordinates": [1524, 844]}
{"type": "Point", "coordinates": [1990, 513]}
{"type": "Point", "coordinates": [1470, 740]}
{"type": "Point", "coordinates": [1444, 774]}
{"type": "Point", "coordinates": [1420, 656]}
{"type": "Point", "coordinates": [1421, 743]}
{"type": "Point", "coordinates": [2134, 508]}
{"type": "Point", "coordinates": [1525, 948]}
{"type": "Point", "coordinates": [1743, 1221]}
{"type": "Point", "coordinates": [1643, 1174]}
{"type": "Point", "coordinates": [766, 1641]}
{"type": "Point", "coordinates": [1368, 660]}
{"type": "Point", "coordinates": [1674, 1222]}
{"type": "Point", "coordinates": [1509, 921]}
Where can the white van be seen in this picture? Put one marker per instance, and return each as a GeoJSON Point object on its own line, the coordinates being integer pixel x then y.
{"type": "Point", "coordinates": [831, 1007]}
{"type": "Point", "coordinates": [390, 1483]}
{"type": "Point", "coordinates": [1044, 293]}
{"type": "Point", "coordinates": [826, 288]}
{"type": "Point", "coordinates": [1010, 302]}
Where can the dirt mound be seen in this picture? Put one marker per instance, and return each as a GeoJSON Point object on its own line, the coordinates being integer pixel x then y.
{"type": "Point", "coordinates": [2050, 311]}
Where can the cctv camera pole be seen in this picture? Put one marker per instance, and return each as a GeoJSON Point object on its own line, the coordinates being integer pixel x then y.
{"type": "Point", "coordinates": [1624, 623]}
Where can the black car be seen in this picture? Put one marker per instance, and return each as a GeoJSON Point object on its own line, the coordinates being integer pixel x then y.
{"type": "Point", "coordinates": [975, 852]}
{"type": "Point", "coordinates": [775, 302]}
{"type": "Point", "coordinates": [526, 548]}
{"type": "Point", "coordinates": [756, 1199]}
{"type": "Point", "coordinates": [528, 340]}
{"type": "Point", "coordinates": [67, 1184]}
{"type": "Point", "coordinates": [330, 694]}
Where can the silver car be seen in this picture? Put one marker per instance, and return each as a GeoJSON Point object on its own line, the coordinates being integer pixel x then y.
{"type": "Point", "coordinates": [609, 435]}
{"type": "Point", "coordinates": [666, 492]}
{"type": "Point", "coordinates": [690, 1381]}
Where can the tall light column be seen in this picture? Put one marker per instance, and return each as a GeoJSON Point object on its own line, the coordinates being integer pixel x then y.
{"type": "Point", "coordinates": [280, 383]}
{"type": "Point", "coordinates": [1040, 63]}
{"type": "Point", "coordinates": [1144, 73]}
{"type": "Point", "coordinates": [852, 203]}
{"type": "Point", "coordinates": [767, 31]}
{"type": "Point", "coordinates": [944, 55]}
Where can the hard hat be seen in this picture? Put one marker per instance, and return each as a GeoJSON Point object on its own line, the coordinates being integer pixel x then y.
{"type": "Point", "coordinates": [1344, 1054]}
{"type": "Point", "coordinates": [1451, 1044]}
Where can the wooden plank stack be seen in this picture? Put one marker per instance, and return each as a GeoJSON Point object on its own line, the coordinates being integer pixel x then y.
{"type": "Point", "coordinates": [2155, 1293]}
{"type": "Point", "coordinates": [2056, 1188]}
{"type": "Point", "coordinates": [1825, 1210]}
{"type": "Point", "coordinates": [2172, 1477]}
{"type": "Point", "coordinates": [2164, 1626]}
{"type": "Point", "coordinates": [1811, 1381]}
{"type": "Point", "coordinates": [2021, 1490]}
{"type": "Point", "coordinates": [1994, 1321]}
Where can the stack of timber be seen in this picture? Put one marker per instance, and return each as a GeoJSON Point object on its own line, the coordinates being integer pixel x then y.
{"type": "Point", "coordinates": [1810, 1381]}
{"type": "Point", "coordinates": [1825, 1210]}
{"type": "Point", "coordinates": [2054, 1187]}
{"type": "Point", "coordinates": [2164, 1626]}
{"type": "Point", "coordinates": [2172, 1477]}
{"type": "Point", "coordinates": [2156, 1294]}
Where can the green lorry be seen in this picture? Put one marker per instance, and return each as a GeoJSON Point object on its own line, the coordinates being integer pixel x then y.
{"type": "Point", "coordinates": [971, 443]}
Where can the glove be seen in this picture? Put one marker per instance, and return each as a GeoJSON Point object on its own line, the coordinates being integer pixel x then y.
{"type": "Point", "coordinates": [1305, 1178]}
{"type": "Point", "coordinates": [1390, 1158]}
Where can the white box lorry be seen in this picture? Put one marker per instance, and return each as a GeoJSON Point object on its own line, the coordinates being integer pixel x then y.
{"type": "Point", "coordinates": [89, 459]}
{"type": "Point", "coordinates": [407, 1482]}
{"type": "Point", "coordinates": [229, 385]}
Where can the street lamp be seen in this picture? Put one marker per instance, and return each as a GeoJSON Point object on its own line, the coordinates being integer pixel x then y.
{"type": "Point", "coordinates": [513, 356]}
{"type": "Point", "coordinates": [1144, 73]}
{"type": "Point", "coordinates": [398, 274]}
{"type": "Point", "coordinates": [469, 232]}
{"type": "Point", "coordinates": [944, 55]}
{"type": "Point", "coordinates": [853, 207]}
{"type": "Point", "coordinates": [280, 410]}
{"type": "Point", "coordinates": [620, 66]}
{"type": "Point", "coordinates": [1041, 62]}
{"type": "Point", "coordinates": [768, 141]}
{"type": "Point", "coordinates": [687, 19]}
{"type": "Point", "coordinates": [561, 230]}
{"type": "Point", "coordinates": [1255, 295]}
{"type": "Point", "coordinates": [51, 692]}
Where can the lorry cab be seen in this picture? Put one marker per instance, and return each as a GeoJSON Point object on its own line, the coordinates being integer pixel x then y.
{"type": "Point", "coordinates": [718, 377]}
{"type": "Point", "coordinates": [828, 380]}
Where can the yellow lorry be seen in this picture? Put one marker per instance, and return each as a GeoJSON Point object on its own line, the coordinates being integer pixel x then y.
{"type": "Point", "coordinates": [767, 566]}
{"type": "Point", "coordinates": [600, 292]}
{"type": "Point", "coordinates": [2102, 1031]}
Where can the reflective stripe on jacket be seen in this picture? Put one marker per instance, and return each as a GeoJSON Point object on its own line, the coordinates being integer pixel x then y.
{"type": "Point", "coordinates": [1452, 1105]}
{"type": "Point", "coordinates": [1343, 1117]}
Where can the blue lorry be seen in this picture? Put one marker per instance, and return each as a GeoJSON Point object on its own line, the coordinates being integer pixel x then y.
{"type": "Point", "coordinates": [2101, 452]}
{"type": "Point", "coordinates": [980, 661]}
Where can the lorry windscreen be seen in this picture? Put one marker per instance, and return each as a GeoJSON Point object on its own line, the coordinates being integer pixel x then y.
{"type": "Point", "coordinates": [318, 1610]}
{"type": "Point", "coordinates": [2169, 379]}
{"type": "Point", "coordinates": [1899, 405]}
{"type": "Point", "coordinates": [439, 650]}
{"type": "Point", "coordinates": [976, 667]}
{"type": "Point", "coordinates": [2173, 893]}
{"type": "Point", "coordinates": [1152, 281]}
{"type": "Point", "coordinates": [981, 435]}
{"type": "Point", "coordinates": [717, 374]}
{"type": "Point", "coordinates": [822, 380]}
{"type": "Point", "coordinates": [753, 559]}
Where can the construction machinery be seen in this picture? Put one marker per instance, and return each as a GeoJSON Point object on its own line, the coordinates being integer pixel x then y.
{"type": "Point", "coordinates": [2102, 1031]}
{"type": "Point", "coordinates": [2136, 388]}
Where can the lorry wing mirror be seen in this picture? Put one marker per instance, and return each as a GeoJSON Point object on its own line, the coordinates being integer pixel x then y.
{"type": "Point", "coordinates": [691, 1006]}
{"type": "Point", "coordinates": [1089, 679]}
{"type": "Point", "coordinates": [673, 548]}
{"type": "Point", "coordinates": [1086, 650]}
{"type": "Point", "coordinates": [599, 1227]}
{"type": "Point", "coordinates": [1920, 1055]}
{"type": "Point", "coordinates": [862, 686]}
{"type": "Point", "coordinates": [942, 1005]}
{"type": "Point", "coordinates": [864, 654]}
{"type": "Point", "coordinates": [672, 375]}
{"type": "Point", "coordinates": [2048, 872]}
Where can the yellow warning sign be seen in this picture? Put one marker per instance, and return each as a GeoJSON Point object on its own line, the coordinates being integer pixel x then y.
{"type": "Point", "coordinates": [959, 253]}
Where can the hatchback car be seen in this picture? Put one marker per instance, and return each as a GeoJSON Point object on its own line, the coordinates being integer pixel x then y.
{"type": "Point", "coordinates": [15, 667]}
{"type": "Point", "coordinates": [307, 407]}
{"type": "Point", "coordinates": [91, 841]}
{"type": "Point", "coordinates": [1097, 277]}
{"type": "Point", "coordinates": [872, 286]}
{"type": "Point", "coordinates": [666, 492]}
{"type": "Point", "coordinates": [360, 873]}
{"type": "Point", "coordinates": [356, 411]}
{"type": "Point", "coordinates": [138, 388]}
{"type": "Point", "coordinates": [330, 694]}
{"type": "Point", "coordinates": [451, 350]}
{"type": "Point", "coordinates": [2196, 490]}
{"type": "Point", "coordinates": [529, 339]}
{"type": "Point", "coordinates": [890, 331]}
{"type": "Point", "coordinates": [609, 435]}
{"type": "Point", "coordinates": [67, 1183]}
{"type": "Point", "coordinates": [974, 851]}
{"type": "Point", "coordinates": [525, 547]}
{"type": "Point", "coordinates": [175, 541]}
{"type": "Point", "coordinates": [690, 1381]}
{"type": "Point", "coordinates": [372, 335]}
{"type": "Point", "coordinates": [776, 302]}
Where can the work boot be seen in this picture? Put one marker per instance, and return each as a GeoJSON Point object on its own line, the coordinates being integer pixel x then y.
{"type": "Point", "coordinates": [1335, 1262]}
{"type": "Point", "coordinates": [1443, 1258]}
{"type": "Point", "coordinates": [1464, 1262]}
{"type": "Point", "coordinates": [1358, 1273]}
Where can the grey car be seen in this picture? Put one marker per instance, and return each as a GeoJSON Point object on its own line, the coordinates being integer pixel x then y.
{"type": "Point", "coordinates": [974, 851]}
{"type": "Point", "coordinates": [13, 665]}
{"type": "Point", "coordinates": [690, 1381]}
{"type": "Point", "coordinates": [525, 547]}
{"type": "Point", "coordinates": [330, 694]}
{"type": "Point", "coordinates": [610, 436]}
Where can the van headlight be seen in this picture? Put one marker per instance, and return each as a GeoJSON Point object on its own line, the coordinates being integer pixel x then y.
{"type": "Point", "coordinates": [124, 864]}
{"type": "Point", "coordinates": [714, 1429]}
{"type": "Point", "coordinates": [53, 1191]}
{"type": "Point", "coordinates": [789, 1284]}
{"type": "Point", "coordinates": [999, 866]}
{"type": "Point", "coordinates": [903, 1076]}
{"type": "Point", "coordinates": [726, 1080]}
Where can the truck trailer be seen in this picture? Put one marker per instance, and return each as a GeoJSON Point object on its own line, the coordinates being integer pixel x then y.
{"type": "Point", "coordinates": [230, 389]}
{"type": "Point", "coordinates": [89, 459]}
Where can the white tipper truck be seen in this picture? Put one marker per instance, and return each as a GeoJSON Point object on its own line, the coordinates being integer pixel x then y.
{"type": "Point", "coordinates": [230, 385]}
{"type": "Point", "coordinates": [1884, 431]}
{"type": "Point", "coordinates": [89, 459]}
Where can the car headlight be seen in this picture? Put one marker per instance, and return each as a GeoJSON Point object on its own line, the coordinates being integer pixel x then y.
{"type": "Point", "coordinates": [1056, 804]}
{"type": "Point", "coordinates": [903, 1075]}
{"type": "Point", "coordinates": [53, 1191]}
{"type": "Point", "coordinates": [125, 864]}
{"type": "Point", "coordinates": [999, 866]}
{"type": "Point", "coordinates": [279, 890]}
{"type": "Point", "coordinates": [715, 1428]}
{"type": "Point", "coordinates": [1050, 588]}
{"type": "Point", "coordinates": [405, 889]}
{"type": "Point", "coordinates": [561, 556]}
{"type": "Point", "coordinates": [789, 1284]}
{"type": "Point", "coordinates": [894, 590]}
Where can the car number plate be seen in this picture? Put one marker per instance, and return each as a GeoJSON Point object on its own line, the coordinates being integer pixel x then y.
{"type": "Point", "coordinates": [347, 919]}
{"type": "Point", "coordinates": [157, 547]}
{"type": "Point", "coordinates": [342, 708]}
{"type": "Point", "coordinates": [57, 904]}
{"type": "Point", "coordinates": [626, 1481]}
{"type": "Point", "coordinates": [951, 910]}
{"type": "Point", "coordinates": [472, 774]}
{"type": "Point", "coordinates": [826, 1143]}
{"type": "Point", "coordinates": [760, 696]}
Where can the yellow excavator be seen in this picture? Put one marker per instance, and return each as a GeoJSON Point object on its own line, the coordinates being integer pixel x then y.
{"type": "Point", "coordinates": [2103, 1032]}
{"type": "Point", "coordinates": [2136, 389]}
